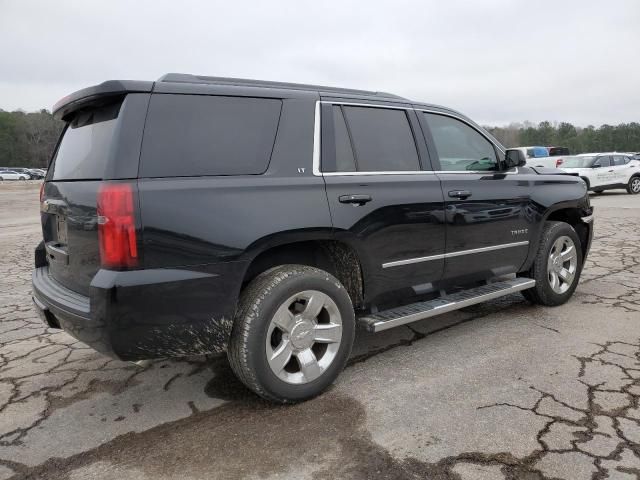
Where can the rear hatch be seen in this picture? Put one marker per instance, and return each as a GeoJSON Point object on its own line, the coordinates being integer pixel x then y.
{"type": "Point", "coordinates": [98, 147]}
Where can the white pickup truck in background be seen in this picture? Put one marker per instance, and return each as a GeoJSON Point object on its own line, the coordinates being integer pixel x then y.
{"type": "Point", "coordinates": [550, 157]}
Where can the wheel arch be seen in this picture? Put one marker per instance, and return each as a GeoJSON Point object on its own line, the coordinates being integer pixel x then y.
{"type": "Point", "coordinates": [319, 250]}
{"type": "Point", "coordinates": [567, 212]}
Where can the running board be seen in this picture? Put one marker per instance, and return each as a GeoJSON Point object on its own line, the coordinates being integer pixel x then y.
{"type": "Point", "coordinates": [394, 317]}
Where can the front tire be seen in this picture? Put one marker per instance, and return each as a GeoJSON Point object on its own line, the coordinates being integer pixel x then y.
{"type": "Point", "coordinates": [633, 187]}
{"type": "Point", "coordinates": [292, 333]}
{"type": "Point", "coordinates": [557, 266]}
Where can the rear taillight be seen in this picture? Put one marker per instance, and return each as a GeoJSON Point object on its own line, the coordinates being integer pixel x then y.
{"type": "Point", "coordinates": [558, 162]}
{"type": "Point", "coordinates": [41, 192]}
{"type": "Point", "coordinates": [117, 226]}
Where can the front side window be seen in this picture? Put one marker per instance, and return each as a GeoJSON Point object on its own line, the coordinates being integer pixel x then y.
{"type": "Point", "coordinates": [382, 139]}
{"type": "Point", "coordinates": [460, 147]}
{"type": "Point", "coordinates": [604, 161]}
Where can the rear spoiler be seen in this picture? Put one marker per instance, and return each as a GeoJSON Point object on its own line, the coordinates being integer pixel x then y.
{"type": "Point", "coordinates": [90, 95]}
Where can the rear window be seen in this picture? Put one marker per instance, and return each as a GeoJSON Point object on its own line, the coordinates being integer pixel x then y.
{"type": "Point", "coordinates": [540, 152]}
{"type": "Point", "coordinates": [382, 139]}
{"type": "Point", "coordinates": [86, 142]}
{"type": "Point", "coordinates": [194, 135]}
{"type": "Point", "coordinates": [555, 151]}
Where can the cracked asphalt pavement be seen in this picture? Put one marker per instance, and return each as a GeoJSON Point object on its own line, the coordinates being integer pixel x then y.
{"type": "Point", "coordinates": [503, 390]}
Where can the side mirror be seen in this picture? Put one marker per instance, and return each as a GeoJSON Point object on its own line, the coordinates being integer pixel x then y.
{"type": "Point", "coordinates": [596, 165]}
{"type": "Point", "coordinates": [514, 158]}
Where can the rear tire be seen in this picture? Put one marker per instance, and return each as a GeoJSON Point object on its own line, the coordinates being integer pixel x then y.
{"type": "Point", "coordinates": [557, 266]}
{"type": "Point", "coordinates": [598, 192]}
{"type": "Point", "coordinates": [633, 187]}
{"type": "Point", "coordinates": [292, 333]}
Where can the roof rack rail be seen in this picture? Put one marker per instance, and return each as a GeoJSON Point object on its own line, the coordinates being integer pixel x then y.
{"type": "Point", "coordinates": [189, 78]}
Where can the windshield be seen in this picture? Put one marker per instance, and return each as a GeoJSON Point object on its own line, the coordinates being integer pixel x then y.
{"type": "Point", "coordinates": [578, 162]}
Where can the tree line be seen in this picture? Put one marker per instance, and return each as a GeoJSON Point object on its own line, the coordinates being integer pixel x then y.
{"type": "Point", "coordinates": [624, 137]}
{"type": "Point", "coordinates": [27, 139]}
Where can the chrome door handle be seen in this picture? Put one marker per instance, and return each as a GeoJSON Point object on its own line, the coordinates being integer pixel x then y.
{"type": "Point", "coordinates": [461, 194]}
{"type": "Point", "coordinates": [355, 199]}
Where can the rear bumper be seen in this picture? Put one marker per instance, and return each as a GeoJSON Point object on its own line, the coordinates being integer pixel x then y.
{"type": "Point", "coordinates": [145, 314]}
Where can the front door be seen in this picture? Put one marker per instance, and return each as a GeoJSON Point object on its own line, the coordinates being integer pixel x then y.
{"type": "Point", "coordinates": [382, 199]}
{"type": "Point", "coordinates": [604, 174]}
{"type": "Point", "coordinates": [486, 209]}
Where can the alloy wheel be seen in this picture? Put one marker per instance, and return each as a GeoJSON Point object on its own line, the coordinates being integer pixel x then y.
{"type": "Point", "coordinates": [562, 264]}
{"type": "Point", "coordinates": [304, 337]}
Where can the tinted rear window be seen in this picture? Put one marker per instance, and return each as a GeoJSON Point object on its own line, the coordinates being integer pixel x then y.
{"type": "Point", "coordinates": [84, 150]}
{"type": "Point", "coordinates": [382, 139]}
{"type": "Point", "coordinates": [194, 135]}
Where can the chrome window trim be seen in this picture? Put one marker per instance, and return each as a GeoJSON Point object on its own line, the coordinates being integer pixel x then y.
{"type": "Point", "coordinates": [481, 172]}
{"type": "Point", "coordinates": [317, 141]}
{"type": "Point", "coordinates": [408, 261]}
{"type": "Point", "coordinates": [394, 172]}
{"type": "Point", "coordinates": [373, 105]}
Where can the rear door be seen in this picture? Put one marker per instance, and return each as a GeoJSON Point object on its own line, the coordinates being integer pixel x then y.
{"type": "Point", "coordinates": [487, 229]}
{"type": "Point", "coordinates": [100, 142]}
{"type": "Point", "coordinates": [383, 197]}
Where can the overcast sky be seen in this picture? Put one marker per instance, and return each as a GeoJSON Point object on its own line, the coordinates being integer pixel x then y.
{"type": "Point", "coordinates": [496, 60]}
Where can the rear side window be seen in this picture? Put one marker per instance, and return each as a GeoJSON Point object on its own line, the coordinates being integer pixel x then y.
{"type": "Point", "coordinates": [344, 153]}
{"type": "Point", "coordinates": [382, 139]}
{"type": "Point", "coordinates": [460, 147]}
{"type": "Point", "coordinates": [620, 160]}
{"type": "Point", "coordinates": [83, 152]}
{"type": "Point", "coordinates": [194, 135]}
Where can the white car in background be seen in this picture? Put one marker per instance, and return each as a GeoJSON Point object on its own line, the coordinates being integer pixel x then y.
{"type": "Point", "coordinates": [605, 171]}
{"type": "Point", "coordinates": [11, 175]}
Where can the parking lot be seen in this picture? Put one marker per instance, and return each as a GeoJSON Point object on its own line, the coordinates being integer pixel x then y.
{"type": "Point", "coordinates": [500, 390]}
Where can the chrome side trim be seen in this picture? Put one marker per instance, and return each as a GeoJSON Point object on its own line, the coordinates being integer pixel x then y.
{"type": "Point", "coordinates": [409, 261]}
{"type": "Point", "coordinates": [487, 249]}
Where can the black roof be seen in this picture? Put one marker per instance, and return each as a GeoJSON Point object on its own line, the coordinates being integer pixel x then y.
{"type": "Point", "coordinates": [201, 79]}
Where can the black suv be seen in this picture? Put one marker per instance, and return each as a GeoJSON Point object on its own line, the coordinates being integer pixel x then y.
{"type": "Point", "coordinates": [196, 214]}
